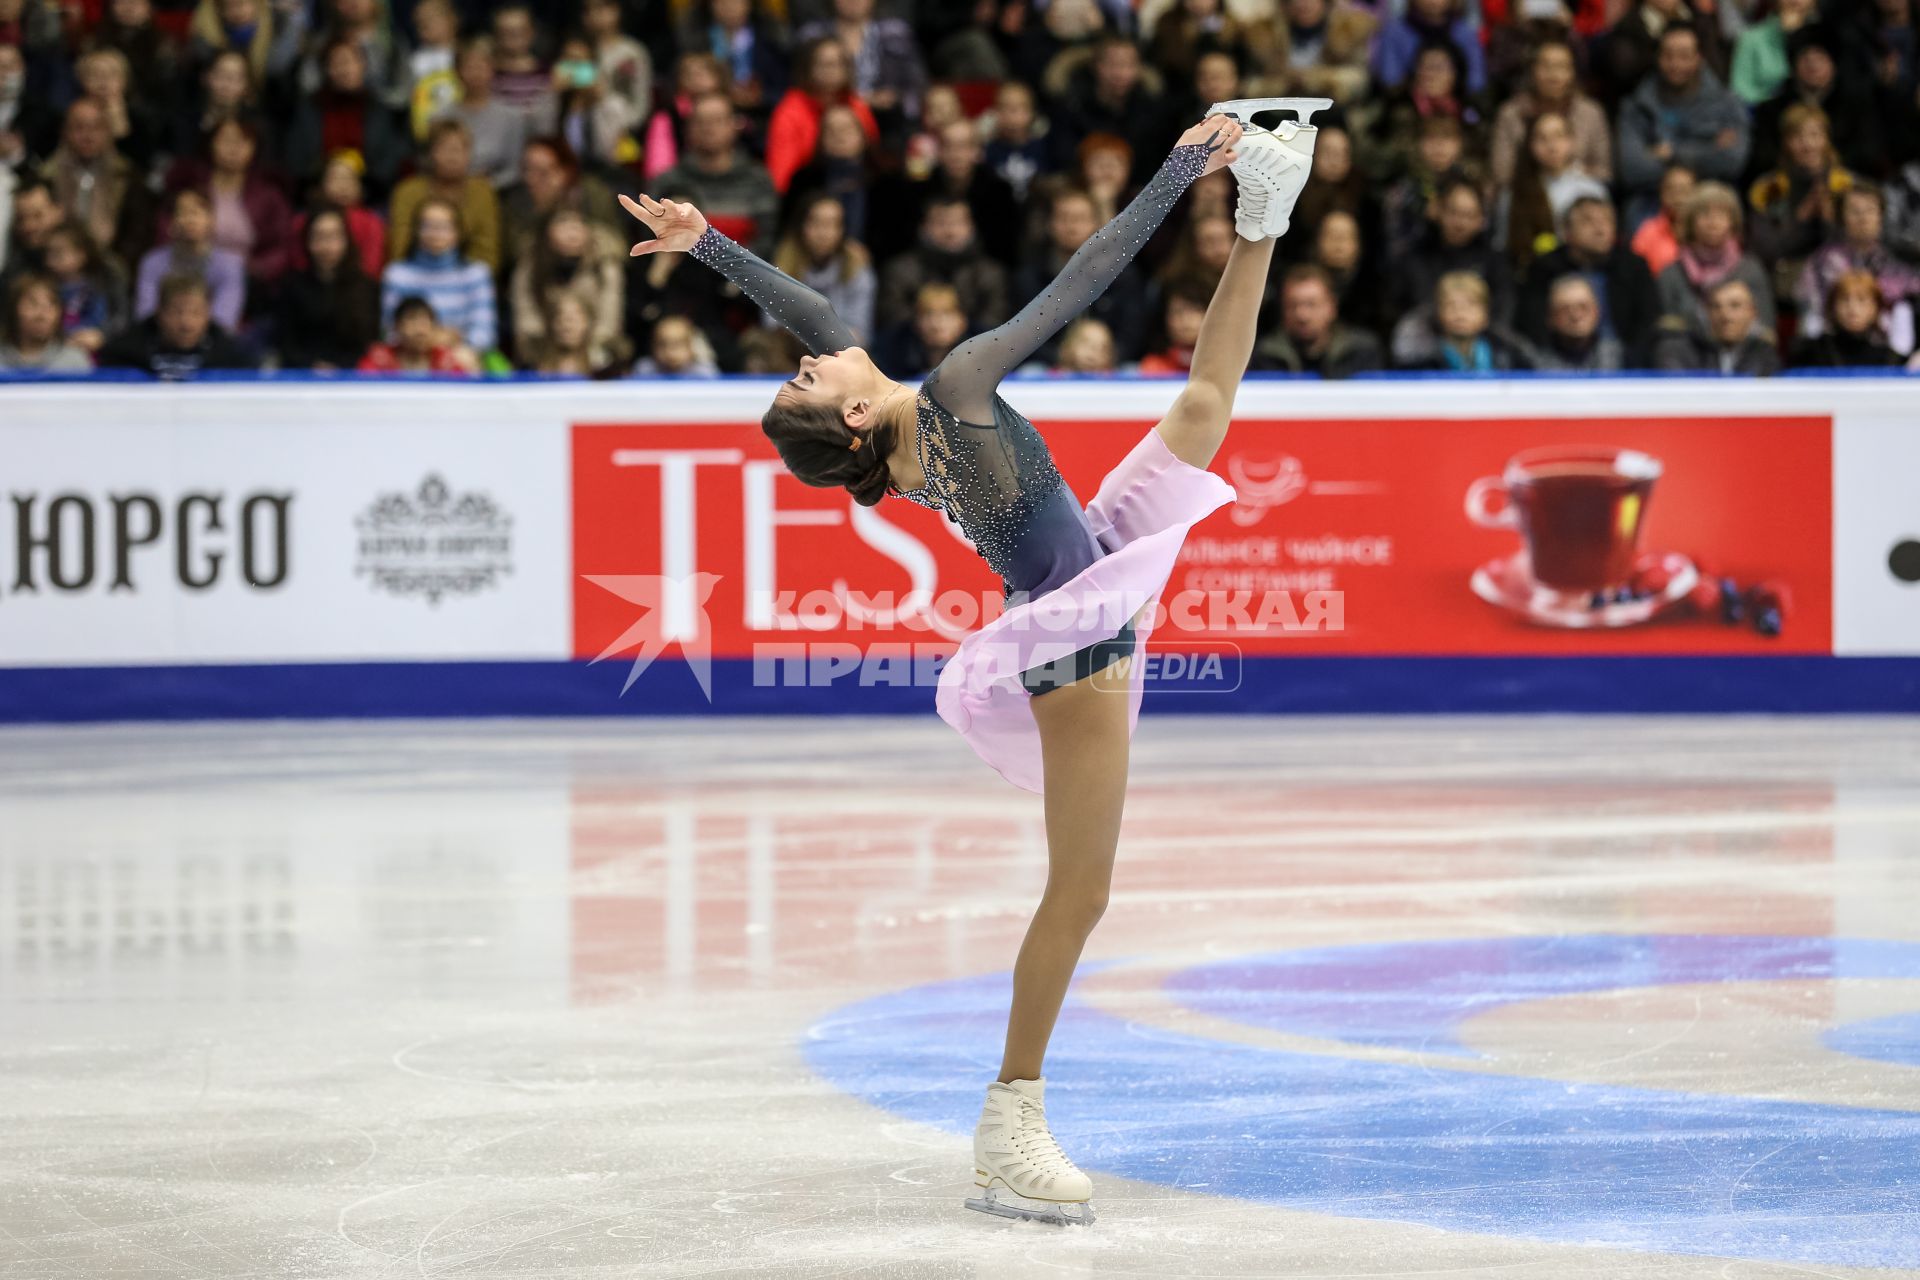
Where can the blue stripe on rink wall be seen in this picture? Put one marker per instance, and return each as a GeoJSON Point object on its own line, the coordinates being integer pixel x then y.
{"type": "Point", "coordinates": [1283, 685]}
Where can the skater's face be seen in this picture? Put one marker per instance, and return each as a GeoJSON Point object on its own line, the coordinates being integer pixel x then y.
{"type": "Point", "coordinates": [842, 380]}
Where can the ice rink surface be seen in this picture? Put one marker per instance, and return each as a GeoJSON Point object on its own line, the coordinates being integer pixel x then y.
{"type": "Point", "coordinates": [1467, 997]}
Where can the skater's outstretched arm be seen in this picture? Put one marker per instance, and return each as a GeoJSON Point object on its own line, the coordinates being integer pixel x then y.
{"type": "Point", "coordinates": [966, 380]}
{"type": "Point", "coordinates": [1197, 423]}
{"type": "Point", "coordinates": [801, 311]}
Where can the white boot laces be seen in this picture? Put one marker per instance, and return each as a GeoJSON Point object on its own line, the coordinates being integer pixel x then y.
{"type": "Point", "coordinates": [1034, 1140]}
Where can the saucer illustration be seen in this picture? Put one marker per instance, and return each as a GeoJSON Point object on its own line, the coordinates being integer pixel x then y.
{"type": "Point", "coordinates": [1508, 582]}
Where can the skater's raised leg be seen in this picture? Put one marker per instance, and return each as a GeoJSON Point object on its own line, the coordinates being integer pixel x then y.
{"type": "Point", "coordinates": [1197, 423]}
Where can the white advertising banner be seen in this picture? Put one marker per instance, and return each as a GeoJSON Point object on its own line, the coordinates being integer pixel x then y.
{"type": "Point", "coordinates": [1876, 531]}
{"type": "Point", "coordinates": [284, 524]}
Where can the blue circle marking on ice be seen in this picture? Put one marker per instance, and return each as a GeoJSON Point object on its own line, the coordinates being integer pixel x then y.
{"type": "Point", "coordinates": [1893, 1039]}
{"type": "Point", "coordinates": [1588, 1164]}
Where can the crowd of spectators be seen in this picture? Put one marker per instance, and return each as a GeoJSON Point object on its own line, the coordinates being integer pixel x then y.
{"type": "Point", "coordinates": [1726, 186]}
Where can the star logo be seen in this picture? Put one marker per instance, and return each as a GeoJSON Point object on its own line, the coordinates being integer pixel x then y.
{"type": "Point", "coordinates": [672, 612]}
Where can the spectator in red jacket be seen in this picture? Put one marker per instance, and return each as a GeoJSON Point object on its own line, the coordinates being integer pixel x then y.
{"type": "Point", "coordinates": [824, 77]}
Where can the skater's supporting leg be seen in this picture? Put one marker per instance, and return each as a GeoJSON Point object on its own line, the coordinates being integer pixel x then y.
{"type": "Point", "coordinates": [1083, 746]}
{"type": "Point", "coordinates": [1197, 423]}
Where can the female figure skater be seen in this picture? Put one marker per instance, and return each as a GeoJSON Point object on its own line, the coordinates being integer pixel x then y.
{"type": "Point", "coordinates": [1047, 693]}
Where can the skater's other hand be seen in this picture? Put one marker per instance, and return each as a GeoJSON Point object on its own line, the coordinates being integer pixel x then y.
{"type": "Point", "coordinates": [675, 224]}
{"type": "Point", "coordinates": [1218, 134]}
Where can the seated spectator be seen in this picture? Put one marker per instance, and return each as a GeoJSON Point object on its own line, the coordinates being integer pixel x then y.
{"type": "Point", "coordinates": [1425, 24]}
{"type": "Point", "coordinates": [1552, 86]}
{"type": "Point", "coordinates": [1853, 336]}
{"type": "Point", "coordinates": [1413, 200]}
{"type": "Point", "coordinates": [1189, 29]}
{"type": "Point", "coordinates": [939, 322]}
{"type": "Point", "coordinates": [1125, 307]}
{"type": "Point", "coordinates": [1848, 102]}
{"type": "Point", "coordinates": [420, 344]}
{"type": "Point", "coordinates": [660, 285]}
{"type": "Point", "coordinates": [1710, 253]}
{"type": "Point", "coordinates": [97, 186]}
{"type": "Point", "coordinates": [1435, 90]}
{"type": "Point", "coordinates": [345, 113]}
{"type": "Point", "coordinates": [550, 176]}
{"type": "Point", "coordinates": [822, 78]}
{"type": "Point", "coordinates": [1626, 300]}
{"type": "Point", "coordinates": [180, 339]}
{"type": "Point", "coordinates": [624, 67]}
{"type": "Point", "coordinates": [1322, 51]}
{"type": "Point", "coordinates": [1795, 208]}
{"type": "Point", "coordinates": [1216, 78]}
{"type": "Point", "coordinates": [695, 75]}
{"type": "Point", "coordinates": [127, 26]}
{"type": "Point", "coordinates": [940, 107]}
{"type": "Point", "coordinates": [818, 253]}
{"type": "Point", "coordinates": [769, 351]}
{"type": "Point", "coordinates": [677, 350]}
{"type": "Point", "coordinates": [1760, 55]}
{"type": "Point", "coordinates": [1183, 307]}
{"type": "Point", "coordinates": [1681, 112]}
{"type": "Point", "coordinates": [227, 92]}
{"type": "Point", "coordinates": [30, 336]}
{"type": "Point", "coordinates": [1860, 246]}
{"type": "Point", "coordinates": [1336, 186]}
{"type": "Point", "coordinates": [251, 219]}
{"type": "Point", "coordinates": [1529, 215]}
{"type": "Point", "coordinates": [1085, 347]}
{"type": "Point", "coordinates": [1110, 94]}
{"type": "Point", "coordinates": [1734, 342]}
{"type": "Point", "coordinates": [1340, 252]}
{"type": "Point", "coordinates": [1657, 239]}
{"type": "Point", "coordinates": [1456, 240]}
{"type": "Point", "coordinates": [449, 175]}
{"type": "Point", "coordinates": [1627, 54]}
{"type": "Point", "coordinates": [93, 297]}
{"type": "Point", "coordinates": [433, 87]}
{"type": "Point", "coordinates": [340, 189]}
{"type": "Point", "coordinates": [268, 34]}
{"type": "Point", "coordinates": [950, 254]}
{"type": "Point", "coordinates": [569, 259]}
{"type": "Point", "coordinates": [498, 131]}
{"type": "Point", "coordinates": [750, 45]}
{"type": "Point", "coordinates": [1201, 255]}
{"type": "Point", "coordinates": [596, 123]}
{"type": "Point", "coordinates": [521, 79]}
{"type": "Point", "coordinates": [717, 176]}
{"type": "Point", "coordinates": [884, 58]}
{"type": "Point", "coordinates": [138, 127]}
{"type": "Point", "coordinates": [1571, 341]}
{"type": "Point", "coordinates": [329, 310]}
{"type": "Point", "coordinates": [28, 126]}
{"type": "Point", "coordinates": [189, 252]}
{"type": "Point", "coordinates": [36, 212]}
{"type": "Point", "coordinates": [437, 269]}
{"type": "Point", "coordinates": [566, 343]}
{"type": "Point", "coordinates": [960, 172]}
{"type": "Point", "coordinates": [1462, 335]}
{"type": "Point", "coordinates": [844, 167]}
{"type": "Point", "coordinates": [1311, 338]}
{"type": "Point", "coordinates": [1017, 150]}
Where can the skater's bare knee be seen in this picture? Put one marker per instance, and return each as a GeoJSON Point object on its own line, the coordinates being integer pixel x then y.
{"type": "Point", "coordinates": [1075, 908]}
{"type": "Point", "coordinates": [1197, 423]}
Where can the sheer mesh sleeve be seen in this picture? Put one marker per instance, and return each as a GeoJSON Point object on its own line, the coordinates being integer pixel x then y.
{"type": "Point", "coordinates": [965, 381]}
{"type": "Point", "coordinates": [802, 312]}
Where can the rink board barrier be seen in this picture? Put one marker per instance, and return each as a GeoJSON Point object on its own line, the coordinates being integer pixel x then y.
{"type": "Point", "coordinates": [616, 549]}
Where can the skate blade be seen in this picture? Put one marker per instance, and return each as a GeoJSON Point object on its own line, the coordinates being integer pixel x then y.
{"type": "Point", "coordinates": [1002, 1203]}
{"type": "Point", "coordinates": [1245, 109]}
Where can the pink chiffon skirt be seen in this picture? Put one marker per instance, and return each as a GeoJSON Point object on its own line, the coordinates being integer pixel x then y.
{"type": "Point", "coordinates": [1141, 516]}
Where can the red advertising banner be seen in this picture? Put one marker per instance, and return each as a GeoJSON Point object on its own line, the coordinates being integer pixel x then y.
{"type": "Point", "coordinates": [1495, 536]}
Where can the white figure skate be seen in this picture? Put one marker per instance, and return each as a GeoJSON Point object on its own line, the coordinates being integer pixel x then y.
{"type": "Point", "coordinates": [1018, 1167]}
{"type": "Point", "coordinates": [1274, 163]}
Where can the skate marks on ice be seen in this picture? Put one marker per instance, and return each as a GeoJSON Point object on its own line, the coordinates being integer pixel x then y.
{"type": "Point", "coordinates": [1425, 1141]}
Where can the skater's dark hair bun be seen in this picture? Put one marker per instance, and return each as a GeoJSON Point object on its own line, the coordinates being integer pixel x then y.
{"type": "Point", "coordinates": [817, 446]}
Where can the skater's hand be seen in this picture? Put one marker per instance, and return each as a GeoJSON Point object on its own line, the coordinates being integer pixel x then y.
{"type": "Point", "coordinates": [675, 225]}
{"type": "Point", "coordinates": [1217, 134]}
